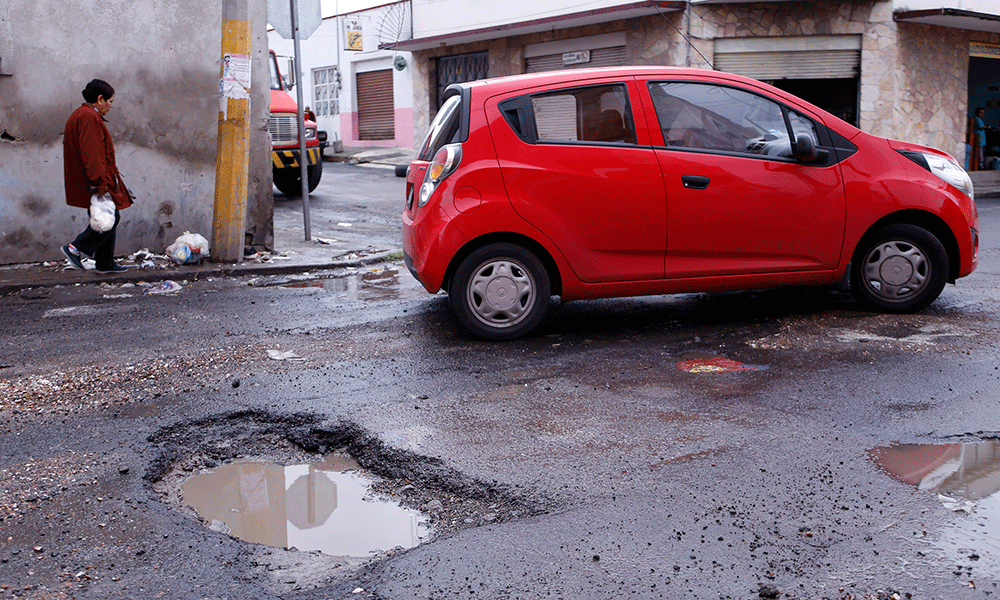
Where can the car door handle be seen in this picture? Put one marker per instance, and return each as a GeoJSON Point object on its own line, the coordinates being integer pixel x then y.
{"type": "Point", "coordinates": [695, 182]}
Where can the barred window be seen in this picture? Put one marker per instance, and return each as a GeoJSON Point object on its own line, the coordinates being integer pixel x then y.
{"type": "Point", "coordinates": [326, 91]}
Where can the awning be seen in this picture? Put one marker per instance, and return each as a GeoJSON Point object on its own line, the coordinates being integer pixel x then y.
{"type": "Point", "coordinates": [951, 17]}
{"type": "Point", "coordinates": [577, 19]}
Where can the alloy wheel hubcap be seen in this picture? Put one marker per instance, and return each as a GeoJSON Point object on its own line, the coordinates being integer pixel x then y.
{"type": "Point", "coordinates": [501, 292]}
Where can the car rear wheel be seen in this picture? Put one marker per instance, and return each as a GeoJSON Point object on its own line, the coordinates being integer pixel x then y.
{"type": "Point", "coordinates": [902, 268]}
{"type": "Point", "coordinates": [500, 291]}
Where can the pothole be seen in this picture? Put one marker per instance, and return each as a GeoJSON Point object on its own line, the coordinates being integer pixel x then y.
{"type": "Point", "coordinates": [966, 479]}
{"type": "Point", "coordinates": [269, 479]}
{"type": "Point", "coordinates": [326, 506]}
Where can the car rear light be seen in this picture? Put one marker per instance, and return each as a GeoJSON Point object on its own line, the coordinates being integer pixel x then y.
{"type": "Point", "coordinates": [444, 164]}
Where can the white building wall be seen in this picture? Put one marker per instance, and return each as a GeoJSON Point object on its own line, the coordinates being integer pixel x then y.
{"type": "Point", "coordinates": [325, 48]}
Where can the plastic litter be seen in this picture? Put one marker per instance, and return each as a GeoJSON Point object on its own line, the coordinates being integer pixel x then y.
{"type": "Point", "coordinates": [165, 287]}
{"type": "Point", "coordinates": [188, 249]}
{"type": "Point", "coordinates": [957, 504]}
{"type": "Point", "coordinates": [286, 355]}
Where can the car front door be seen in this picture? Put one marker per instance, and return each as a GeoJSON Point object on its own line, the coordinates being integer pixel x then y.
{"type": "Point", "coordinates": [738, 202]}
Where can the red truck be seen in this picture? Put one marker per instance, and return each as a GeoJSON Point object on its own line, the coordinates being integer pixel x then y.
{"type": "Point", "coordinates": [285, 138]}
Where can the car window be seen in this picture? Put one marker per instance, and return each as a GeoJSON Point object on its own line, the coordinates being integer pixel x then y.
{"type": "Point", "coordinates": [590, 114]}
{"type": "Point", "coordinates": [717, 117]}
{"type": "Point", "coordinates": [442, 129]}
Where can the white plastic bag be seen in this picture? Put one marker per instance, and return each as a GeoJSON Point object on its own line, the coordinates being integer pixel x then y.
{"type": "Point", "coordinates": [188, 249]}
{"type": "Point", "coordinates": [102, 213]}
{"type": "Point", "coordinates": [196, 241]}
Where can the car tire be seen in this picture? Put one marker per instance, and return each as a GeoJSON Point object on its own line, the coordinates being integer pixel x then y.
{"type": "Point", "coordinates": [500, 291]}
{"type": "Point", "coordinates": [902, 268]}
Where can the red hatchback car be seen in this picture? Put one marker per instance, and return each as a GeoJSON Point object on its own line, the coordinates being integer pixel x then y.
{"type": "Point", "coordinates": [654, 180]}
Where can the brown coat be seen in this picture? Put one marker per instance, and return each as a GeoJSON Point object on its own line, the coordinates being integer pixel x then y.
{"type": "Point", "coordinates": [89, 160]}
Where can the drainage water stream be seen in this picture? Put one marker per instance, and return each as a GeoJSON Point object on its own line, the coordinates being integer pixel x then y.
{"type": "Point", "coordinates": [377, 284]}
{"type": "Point", "coordinates": [966, 478]}
{"type": "Point", "coordinates": [320, 506]}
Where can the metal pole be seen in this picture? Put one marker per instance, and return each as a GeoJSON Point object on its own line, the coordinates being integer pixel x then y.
{"type": "Point", "coordinates": [303, 157]}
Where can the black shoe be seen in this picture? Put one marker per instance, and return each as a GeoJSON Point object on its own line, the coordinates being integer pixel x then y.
{"type": "Point", "coordinates": [112, 269]}
{"type": "Point", "coordinates": [75, 260]}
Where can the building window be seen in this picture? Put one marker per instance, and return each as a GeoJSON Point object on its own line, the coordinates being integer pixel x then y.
{"type": "Point", "coordinates": [326, 91]}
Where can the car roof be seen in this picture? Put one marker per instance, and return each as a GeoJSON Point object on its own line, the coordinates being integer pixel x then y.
{"type": "Point", "coordinates": [514, 82]}
{"type": "Point", "coordinates": [527, 81]}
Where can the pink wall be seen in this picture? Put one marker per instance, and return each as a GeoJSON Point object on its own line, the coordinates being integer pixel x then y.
{"type": "Point", "coordinates": [403, 125]}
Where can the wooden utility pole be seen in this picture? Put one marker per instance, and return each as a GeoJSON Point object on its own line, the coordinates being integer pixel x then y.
{"type": "Point", "coordinates": [233, 153]}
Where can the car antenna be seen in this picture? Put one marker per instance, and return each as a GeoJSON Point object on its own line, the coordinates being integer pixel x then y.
{"type": "Point", "coordinates": [687, 39]}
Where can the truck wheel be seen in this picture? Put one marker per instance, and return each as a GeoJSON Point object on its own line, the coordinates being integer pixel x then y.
{"type": "Point", "coordinates": [902, 268]}
{"type": "Point", "coordinates": [288, 181]}
{"type": "Point", "coordinates": [500, 291]}
{"type": "Point", "coordinates": [315, 173]}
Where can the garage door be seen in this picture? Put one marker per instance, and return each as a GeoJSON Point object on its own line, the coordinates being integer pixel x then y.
{"type": "Point", "coordinates": [810, 57]}
{"type": "Point", "coordinates": [606, 50]}
{"type": "Point", "coordinates": [376, 118]}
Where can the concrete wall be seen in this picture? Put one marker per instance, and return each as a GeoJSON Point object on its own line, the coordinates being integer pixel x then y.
{"type": "Point", "coordinates": [163, 59]}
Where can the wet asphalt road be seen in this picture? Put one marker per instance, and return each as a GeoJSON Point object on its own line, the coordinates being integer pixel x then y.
{"type": "Point", "coordinates": [585, 462]}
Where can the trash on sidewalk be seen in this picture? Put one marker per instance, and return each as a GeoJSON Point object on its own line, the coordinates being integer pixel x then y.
{"type": "Point", "coordinates": [324, 241]}
{"type": "Point", "coordinates": [286, 355]}
{"type": "Point", "coordinates": [188, 249]}
{"type": "Point", "coordinates": [147, 261]}
{"type": "Point", "coordinates": [165, 287]}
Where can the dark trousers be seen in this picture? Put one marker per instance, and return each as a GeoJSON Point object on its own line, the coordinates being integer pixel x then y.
{"type": "Point", "coordinates": [97, 245]}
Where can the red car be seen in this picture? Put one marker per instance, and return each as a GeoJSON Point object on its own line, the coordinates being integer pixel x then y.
{"type": "Point", "coordinates": [654, 180]}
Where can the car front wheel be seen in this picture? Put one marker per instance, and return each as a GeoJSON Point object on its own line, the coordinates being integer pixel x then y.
{"type": "Point", "coordinates": [902, 268]}
{"type": "Point", "coordinates": [500, 291]}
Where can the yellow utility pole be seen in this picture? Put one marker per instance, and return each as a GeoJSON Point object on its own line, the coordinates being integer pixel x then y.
{"type": "Point", "coordinates": [233, 154]}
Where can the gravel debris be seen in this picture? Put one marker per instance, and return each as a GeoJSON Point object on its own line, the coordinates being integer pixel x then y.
{"type": "Point", "coordinates": [25, 484]}
{"type": "Point", "coordinates": [100, 387]}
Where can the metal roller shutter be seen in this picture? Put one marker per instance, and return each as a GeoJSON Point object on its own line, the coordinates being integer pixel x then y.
{"type": "Point", "coordinates": [819, 57]}
{"type": "Point", "coordinates": [376, 117]}
{"type": "Point", "coordinates": [600, 57]}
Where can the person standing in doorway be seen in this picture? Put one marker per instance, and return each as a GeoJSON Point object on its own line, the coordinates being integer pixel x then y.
{"type": "Point", "coordinates": [980, 128]}
{"type": "Point", "coordinates": [89, 168]}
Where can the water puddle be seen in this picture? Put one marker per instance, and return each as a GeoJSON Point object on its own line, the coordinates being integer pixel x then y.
{"type": "Point", "coordinates": [321, 506]}
{"type": "Point", "coordinates": [966, 478]}
{"type": "Point", "coordinates": [373, 285]}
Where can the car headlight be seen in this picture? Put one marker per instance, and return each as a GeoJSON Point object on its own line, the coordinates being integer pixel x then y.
{"type": "Point", "coordinates": [946, 169]}
{"type": "Point", "coordinates": [310, 133]}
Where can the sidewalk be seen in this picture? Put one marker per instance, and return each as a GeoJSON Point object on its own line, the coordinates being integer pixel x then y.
{"type": "Point", "coordinates": [292, 253]}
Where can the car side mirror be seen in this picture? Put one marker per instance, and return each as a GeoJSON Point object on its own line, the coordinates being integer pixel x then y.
{"type": "Point", "coordinates": [806, 150]}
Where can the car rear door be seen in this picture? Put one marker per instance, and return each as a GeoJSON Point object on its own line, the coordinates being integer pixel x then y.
{"type": "Point", "coordinates": [577, 167]}
{"type": "Point", "coordinates": [738, 202]}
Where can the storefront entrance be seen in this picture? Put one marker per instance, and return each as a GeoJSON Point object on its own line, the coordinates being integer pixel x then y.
{"type": "Point", "coordinates": [984, 92]}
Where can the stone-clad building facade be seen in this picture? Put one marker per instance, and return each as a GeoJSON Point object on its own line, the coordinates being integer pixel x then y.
{"type": "Point", "coordinates": [910, 75]}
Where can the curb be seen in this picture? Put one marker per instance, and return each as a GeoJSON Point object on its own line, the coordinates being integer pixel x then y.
{"type": "Point", "coordinates": [190, 273]}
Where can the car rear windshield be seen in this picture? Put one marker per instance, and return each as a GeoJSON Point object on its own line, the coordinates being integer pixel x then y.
{"type": "Point", "coordinates": [446, 124]}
